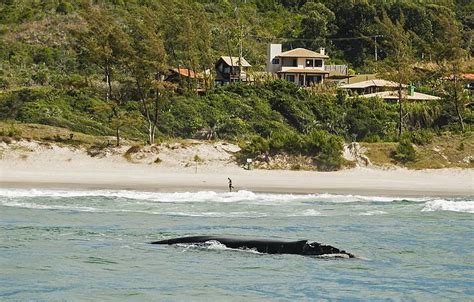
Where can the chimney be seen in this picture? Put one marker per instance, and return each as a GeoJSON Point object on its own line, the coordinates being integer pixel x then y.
{"type": "Point", "coordinates": [322, 50]}
{"type": "Point", "coordinates": [273, 50]}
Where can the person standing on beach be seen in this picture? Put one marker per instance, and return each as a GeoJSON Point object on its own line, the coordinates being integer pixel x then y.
{"type": "Point", "coordinates": [230, 184]}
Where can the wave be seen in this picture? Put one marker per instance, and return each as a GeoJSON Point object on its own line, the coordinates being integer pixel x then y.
{"type": "Point", "coordinates": [449, 205]}
{"type": "Point", "coordinates": [28, 205]}
{"type": "Point", "coordinates": [308, 212]}
{"type": "Point", "coordinates": [203, 196]}
{"type": "Point", "coordinates": [252, 204]}
{"type": "Point", "coordinates": [372, 213]}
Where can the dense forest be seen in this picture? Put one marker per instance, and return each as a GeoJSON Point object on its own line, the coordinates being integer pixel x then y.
{"type": "Point", "coordinates": [92, 66]}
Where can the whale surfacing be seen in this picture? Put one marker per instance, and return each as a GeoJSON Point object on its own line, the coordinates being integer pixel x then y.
{"type": "Point", "coordinates": [301, 247]}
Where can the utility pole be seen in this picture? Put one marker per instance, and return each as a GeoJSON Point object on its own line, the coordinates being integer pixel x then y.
{"type": "Point", "coordinates": [239, 24]}
{"type": "Point", "coordinates": [240, 52]}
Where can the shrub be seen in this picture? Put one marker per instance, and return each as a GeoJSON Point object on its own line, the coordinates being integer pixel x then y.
{"type": "Point", "coordinates": [132, 150]}
{"type": "Point", "coordinates": [404, 152]}
{"type": "Point", "coordinates": [326, 149]}
{"type": "Point", "coordinates": [7, 140]}
{"type": "Point", "coordinates": [421, 137]}
{"type": "Point", "coordinates": [286, 141]}
{"type": "Point", "coordinates": [4, 83]}
{"type": "Point", "coordinates": [64, 8]}
{"type": "Point", "coordinates": [256, 146]}
{"type": "Point", "coordinates": [43, 55]}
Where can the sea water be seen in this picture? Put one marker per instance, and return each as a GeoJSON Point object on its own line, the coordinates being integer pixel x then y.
{"type": "Point", "coordinates": [94, 246]}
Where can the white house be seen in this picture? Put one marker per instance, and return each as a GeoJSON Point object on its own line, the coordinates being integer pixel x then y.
{"type": "Point", "coordinates": [302, 66]}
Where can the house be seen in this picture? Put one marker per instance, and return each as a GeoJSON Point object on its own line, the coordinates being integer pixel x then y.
{"type": "Point", "coordinates": [466, 78]}
{"type": "Point", "coordinates": [371, 86]}
{"type": "Point", "coordinates": [301, 66]}
{"type": "Point", "coordinates": [338, 74]}
{"type": "Point", "coordinates": [386, 90]}
{"type": "Point", "coordinates": [181, 75]}
{"type": "Point", "coordinates": [228, 70]}
{"type": "Point", "coordinates": [177, 74]}
{"type": "Point", "coordinates": [411, 95]}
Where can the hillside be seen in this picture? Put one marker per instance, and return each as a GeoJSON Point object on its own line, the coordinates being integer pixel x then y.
{"type": "Point", "coordinates": [94, 68]}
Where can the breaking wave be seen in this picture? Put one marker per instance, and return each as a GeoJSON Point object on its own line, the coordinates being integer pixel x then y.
{"type": "Point", "coordinates": [219, 204]}
{"type": "Point", "coordinates": [449, 205]}
{"type": "Point", "coordinates": [202, 196]}
{"type": "Point", "coordinates": [372, 213]}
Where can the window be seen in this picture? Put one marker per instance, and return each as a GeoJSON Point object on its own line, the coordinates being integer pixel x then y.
{"type": "Point", "coordinates": [295, 62]}
{"type": "Point", "coordinates": [276, 61]}
{"type": "Point", "coordinates": [309, 63]}
{"type": "Point", "coordinates": [318, 63]}
{"type": "Point", "coordinates": [290, 78]}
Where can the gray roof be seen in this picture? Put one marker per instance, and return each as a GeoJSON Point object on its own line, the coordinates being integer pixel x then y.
{"type": "Point", "coordinates": [393, 95]}
{"type": "Point", "coordinates": [235, 61]}
{"type": "Point", "coordinates": [302, 53]}
{"type": "Point", "coordinates": [372, 83]}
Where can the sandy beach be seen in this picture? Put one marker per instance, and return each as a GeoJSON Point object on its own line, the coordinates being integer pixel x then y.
{"type": "Point", "coordinates": [37, 165]}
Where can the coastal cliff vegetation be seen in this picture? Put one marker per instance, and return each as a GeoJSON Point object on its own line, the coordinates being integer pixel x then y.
{"type": "Point", "coordinates": [93, 68]}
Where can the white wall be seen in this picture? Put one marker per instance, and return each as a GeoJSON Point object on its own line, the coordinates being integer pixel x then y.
{"type": "Point", "coordinates": [273, 50]}
{"type": "Point", "coordinates": [301, 64]}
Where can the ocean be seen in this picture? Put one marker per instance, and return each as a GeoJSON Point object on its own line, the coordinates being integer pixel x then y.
{"type": "Point", "coordinates": [64, 245]}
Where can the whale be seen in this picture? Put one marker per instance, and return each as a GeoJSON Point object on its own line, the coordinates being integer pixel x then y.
{"type": "Point", "coordinates": [266, 246]}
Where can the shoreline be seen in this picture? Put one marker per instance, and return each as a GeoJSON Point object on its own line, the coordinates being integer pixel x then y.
{"type": "Point", "coordinates": [35, 165]}
{"type": "Point", "coordinates": [369, 182]}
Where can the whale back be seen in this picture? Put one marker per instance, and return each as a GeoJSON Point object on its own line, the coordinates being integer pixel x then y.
{"type": "Point", "coordinates": [268, 246]}
{"type": "Point", "coordinates": [260, 245]}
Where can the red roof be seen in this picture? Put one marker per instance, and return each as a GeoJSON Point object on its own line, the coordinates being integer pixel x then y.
{"type": "Point", "coordinates": [462, 76]}
{"type": "Point", "coordinates": [468, 76]}
{"type": "Point", "coordinates": [185, 72]}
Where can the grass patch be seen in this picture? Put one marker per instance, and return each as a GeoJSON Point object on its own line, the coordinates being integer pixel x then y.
{"type": "Point", "coordinates": [380, 153]}
{"type": "Point", "coordinates": [49, 133]}
{"type": "Point", "coordinates": [444, 151]}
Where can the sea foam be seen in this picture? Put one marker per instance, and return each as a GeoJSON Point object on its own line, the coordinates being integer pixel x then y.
{"type": "Point", "coordinates": [201, 196]}
{"type": "Point", "coordinates": [449, 205]}
{"type": "Point", "coordinates": [149, 202]}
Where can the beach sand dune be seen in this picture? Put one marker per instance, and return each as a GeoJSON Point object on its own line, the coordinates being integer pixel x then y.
{"type": "Point", "coordinates": [200, 167]}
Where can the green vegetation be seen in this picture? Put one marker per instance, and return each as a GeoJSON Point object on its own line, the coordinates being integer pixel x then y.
{"type": "Point", "coordinates": [444, 151]}
{"type": "Point", "coordinates": [92, 69]}
{"type": "Point", "coordinates": [404, 152]}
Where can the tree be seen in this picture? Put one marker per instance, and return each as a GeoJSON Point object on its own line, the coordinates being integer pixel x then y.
{"type": "Point", "coordinates": [452, 59]}
{"type": "Point", "coordinates": [103, 43]}
{"type": "Point", "coordinates": [452, 88]}
{"type": "Point", "coordinates": [118, 117]}
{"type": "Point", "coordinates": [146, 60]}
{"type": "Point", "coordinates": [398, 66]}
{"type": "Point", "coordinates": [317, 23]}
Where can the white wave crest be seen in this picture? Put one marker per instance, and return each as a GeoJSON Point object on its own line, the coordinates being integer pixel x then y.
{"type": "Point", "coordinates": [372, 213]}
{"type": "Point", "coordinates": [308, 212]}
{"type": "Point", "coordinates": [28, 205]}
{"type": "Point", "coordinates": [448, 205]}
{"type": "Point", "coordinates": [202, 196]}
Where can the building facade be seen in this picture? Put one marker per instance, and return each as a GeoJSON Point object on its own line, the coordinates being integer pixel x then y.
{"type": "Point", "coordinates": [230, 70]}
{"type": "Point", "coordinates": [301, 66]}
